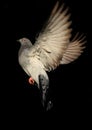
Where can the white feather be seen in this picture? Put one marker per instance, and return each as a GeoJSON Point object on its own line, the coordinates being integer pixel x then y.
{"type": "Point", "coordinates": [53, 43]}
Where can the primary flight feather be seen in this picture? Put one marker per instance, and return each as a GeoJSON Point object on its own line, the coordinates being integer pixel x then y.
{"type": "Point", "coordinates": [52, 48]}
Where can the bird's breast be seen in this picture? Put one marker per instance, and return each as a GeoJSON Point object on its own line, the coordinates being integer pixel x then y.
{"type": "Point", "coordinates": [23, 58]}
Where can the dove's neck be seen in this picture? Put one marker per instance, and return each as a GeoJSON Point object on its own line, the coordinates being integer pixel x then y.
{"type": "Point", "coordinates": [24, 48]}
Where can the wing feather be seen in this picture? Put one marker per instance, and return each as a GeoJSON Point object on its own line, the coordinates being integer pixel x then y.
{"type": "Point", "coordinates": [53, 46]}
{"type": "Point", "coordinates": [74, 50]}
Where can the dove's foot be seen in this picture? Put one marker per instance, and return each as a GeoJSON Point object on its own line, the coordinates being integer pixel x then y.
{"type": "Point", "coordinates": [31, 81]}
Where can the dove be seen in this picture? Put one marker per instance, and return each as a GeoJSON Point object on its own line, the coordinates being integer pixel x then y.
{"type": "Point", "coordinates": [52, 47]}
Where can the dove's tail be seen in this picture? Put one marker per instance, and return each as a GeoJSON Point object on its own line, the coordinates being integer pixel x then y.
{"type": "Point", "coordinates": [74, 50]}
{"type": "Point", "coordinates": [44, 85]}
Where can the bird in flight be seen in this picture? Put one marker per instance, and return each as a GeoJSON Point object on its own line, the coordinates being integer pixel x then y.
{"type": "Point", "coordinates": [52, 48]}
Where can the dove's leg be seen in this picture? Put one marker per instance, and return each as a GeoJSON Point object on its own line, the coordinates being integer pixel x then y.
{"type": "Point", "coordinates": [31, 81]}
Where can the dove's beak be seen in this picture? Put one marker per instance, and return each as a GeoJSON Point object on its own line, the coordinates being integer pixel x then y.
{"type": "Point", "coordinates": [17, 40]}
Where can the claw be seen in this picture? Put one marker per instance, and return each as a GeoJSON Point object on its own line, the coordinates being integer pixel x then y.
{"type": "Point", "coordinates": [31, 81]}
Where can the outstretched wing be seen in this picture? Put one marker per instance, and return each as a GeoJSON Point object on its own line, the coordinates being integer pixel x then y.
{"type": "Point", "coordinates": [53, 45]}
{"type": "Point", "coordinates": [74, 49]}
{"type": "Point", "coordinates": [53, 40]}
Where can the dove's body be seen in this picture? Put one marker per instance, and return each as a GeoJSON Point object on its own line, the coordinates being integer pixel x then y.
{"type": "Point", "coordinates": [31, 63]}
{"type": "Point", "coordinates": [52, 47]}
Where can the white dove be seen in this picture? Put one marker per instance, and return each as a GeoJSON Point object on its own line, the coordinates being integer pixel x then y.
{"type": "Point", "coordinates": [52, 48]}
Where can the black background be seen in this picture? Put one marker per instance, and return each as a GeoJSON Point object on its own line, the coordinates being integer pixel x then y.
{"type": "Point", "coordinates": [70, 85]}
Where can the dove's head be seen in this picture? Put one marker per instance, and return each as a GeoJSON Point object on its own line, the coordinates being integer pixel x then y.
{"type": "Point", "coordinates": [25, 41]}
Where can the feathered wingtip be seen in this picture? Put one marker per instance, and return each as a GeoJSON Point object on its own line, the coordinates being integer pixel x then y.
{"type": "Point", "coordinates": [57, 9]}
{"type": "Point", "coordinates": [81, 39]}
{"type": "Point", "coordinates": [75, 49]}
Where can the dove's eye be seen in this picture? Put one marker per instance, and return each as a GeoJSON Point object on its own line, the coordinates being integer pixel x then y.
{"type": "Point", "coordinates": [24, 40]}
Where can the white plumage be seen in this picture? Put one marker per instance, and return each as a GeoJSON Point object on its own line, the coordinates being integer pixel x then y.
{"type": "Point", "coordinates": [52, 47]}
